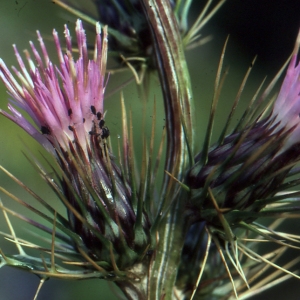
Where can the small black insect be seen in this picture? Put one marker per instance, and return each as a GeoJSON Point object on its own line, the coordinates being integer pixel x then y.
{"type": "Point", "coordinates": [94, 133]}
{"type": "Point", "coordinates": [93, 110]}
{"type": "Point", "coordinates": [105, 133]}
{"type": "Point", "coordinates": [99, 115]}
{"type": "Point", "coordinates": [45, 130]}
{"type": "Point", "coordinates": [71, 128]}
{"type": "Point", "coordinates": [70, 112]}
{"type": "Point", "coordinates": [101, 123]}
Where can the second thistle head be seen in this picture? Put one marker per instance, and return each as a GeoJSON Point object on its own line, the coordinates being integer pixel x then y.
{"type": "Point", "coordinates": [242, 173]}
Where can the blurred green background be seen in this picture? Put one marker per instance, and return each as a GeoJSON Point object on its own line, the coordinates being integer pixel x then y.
{"type": "Point", "coordinates": [254, 29]}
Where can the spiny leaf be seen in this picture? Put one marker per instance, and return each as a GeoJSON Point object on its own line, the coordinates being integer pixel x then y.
{"type": "Point", "coordinates": [217, 90]}
{"type": "Point", "coordinates": [247, 115]}
{"type": "Point", "coordinates": [38, 198]}
{"type": "Point", "coordinates": [236, 101]}
{"type": "Point", "coordinates": [200, 22]}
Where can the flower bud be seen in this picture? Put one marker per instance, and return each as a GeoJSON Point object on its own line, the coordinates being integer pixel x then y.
{"type": "Point", "coordinates": [250, 165]}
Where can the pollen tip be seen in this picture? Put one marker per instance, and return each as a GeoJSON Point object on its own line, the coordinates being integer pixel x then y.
{"type": "Point", "coordinates": [66, 31]}
{"type": "Point", "coordinates": [98, 28]}
{"type": "Point", "coordinates": [78, 25]}
{"type": "Point", "coordinates": [297, 45]}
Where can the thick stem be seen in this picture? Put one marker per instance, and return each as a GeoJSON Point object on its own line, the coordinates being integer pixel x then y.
{"type": "Point", "coordinates": [175, 81]}
{"type": "Point", "coordinates": [131, 290]}
{"type": "Point", "coordinates": [163, 271]}
{"type": "Point", "coordinates": [176, 87]}
{"type": "Point", "coordinates": [135, 285]}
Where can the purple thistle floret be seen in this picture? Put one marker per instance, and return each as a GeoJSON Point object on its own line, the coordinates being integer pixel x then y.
{"type": "Point", "coordinates": [287, 105]}
{"type": "Point", "coordinates": [59, 99]}
{"type": "Point", "coordinates": [66, 104]}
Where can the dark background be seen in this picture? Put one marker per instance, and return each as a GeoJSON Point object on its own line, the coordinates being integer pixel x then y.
{"type": "Point", "coordinates": [259, 27]}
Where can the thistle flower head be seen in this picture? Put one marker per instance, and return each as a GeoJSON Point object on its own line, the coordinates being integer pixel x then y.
{"type": "Point", "coordinates": [247, 165]}
{"type": "Point", "coordinates": [65, 101]}
{"type": "Point", "coordinates": [241, 178]}
{"type": "Point", "coordinates": [66, 104]}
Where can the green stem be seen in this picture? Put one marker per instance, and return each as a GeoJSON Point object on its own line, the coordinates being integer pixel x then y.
{"type": "Point", "coordinates": [175, 82]}
{"type": "Point", "coordinates": [170, 226]}
{"type": "Point", "coordinates": [176, 87]}
{"type": "Point", "coordinates": [166, 259]}
{"type": "Point", "coordinates": [132, 289]}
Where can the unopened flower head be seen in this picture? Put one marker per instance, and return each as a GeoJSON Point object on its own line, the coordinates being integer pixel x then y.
{"type": "Point", "coordinates": [252, 163]}
{"type": "Point", "coordinates": [66, 104]}
{"type": "Point", "coordinates": [127, 19]}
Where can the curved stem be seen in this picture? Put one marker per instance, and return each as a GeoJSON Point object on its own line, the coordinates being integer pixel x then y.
{"type": "Point", "coordinates": [175, 81]}
{"type": "Point", "coordinates": [176, 88]}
